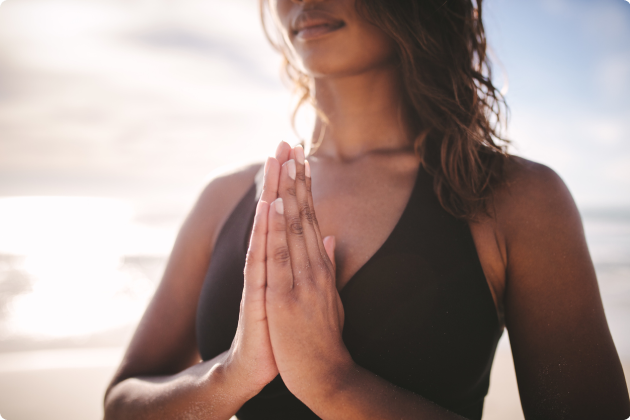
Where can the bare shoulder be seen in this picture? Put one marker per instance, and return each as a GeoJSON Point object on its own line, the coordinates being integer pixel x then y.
{"type": "Point", "coordinates": [227, 184]}
{"type": "Point", "coordinates": [227, 178]}
{"type": "Point", "coordinates": [533, 196]}
{"type": "Point", "coordinates": [564, 357]}
{"type": "Point", "coordinates": [222, 192]}
{"type": "Point", "coordinates": [164, 342]}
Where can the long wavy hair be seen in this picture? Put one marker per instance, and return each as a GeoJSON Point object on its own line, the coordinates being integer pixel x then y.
{"type": "Point", "coordinates": [447, 75]}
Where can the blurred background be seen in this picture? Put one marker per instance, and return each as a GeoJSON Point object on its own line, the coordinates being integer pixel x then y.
{"type": "Point", "coordinates": [113, 113]}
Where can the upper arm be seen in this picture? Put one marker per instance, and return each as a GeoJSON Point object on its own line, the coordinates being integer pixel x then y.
{"type": "Point", "coordinates": [164, 342]}
{"type": "Point", "coordinates": [565, 360]}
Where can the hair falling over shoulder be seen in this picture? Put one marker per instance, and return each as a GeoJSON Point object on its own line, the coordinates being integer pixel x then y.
{"type": "Point", "coordinates": [447, 75]}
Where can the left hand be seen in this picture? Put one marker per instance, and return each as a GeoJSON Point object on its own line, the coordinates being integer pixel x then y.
{"type": "Point", "coordinates": [304, 310]}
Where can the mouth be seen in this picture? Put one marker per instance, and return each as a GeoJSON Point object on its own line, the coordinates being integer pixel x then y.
{"type": "Point", "coordinates": [312, 24]}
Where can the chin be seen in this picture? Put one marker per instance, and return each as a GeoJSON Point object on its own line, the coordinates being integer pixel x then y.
{"type": "Point", "coordinates": [338, 58]}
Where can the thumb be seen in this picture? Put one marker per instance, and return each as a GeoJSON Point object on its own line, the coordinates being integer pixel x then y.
{"type": "Point", "coordinates": [329, 246]}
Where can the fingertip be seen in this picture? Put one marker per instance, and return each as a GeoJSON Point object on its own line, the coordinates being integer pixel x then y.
{"type": "Point", "coordinates": [270, 180]}
{"type": "Point", "coordinates": [267, 165]}
{"type": "Point", "coordinates": [307, 169]}
{"type": "Point", "coordinates": [299, 154]}
{"type": "Point", "coordinates": [283, 151]}
{"type": "Point", "coordinates": [329, 245]}
{"type": "Point", "coordinates": [280, 147]}
{"type": "Point", "coordinates": [330, 242]}
{"type": "Point", "coordinates": [270, 164]}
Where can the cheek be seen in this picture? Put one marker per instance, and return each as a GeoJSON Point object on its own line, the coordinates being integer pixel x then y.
{"type": "Point", "coordinates": [374, 46]}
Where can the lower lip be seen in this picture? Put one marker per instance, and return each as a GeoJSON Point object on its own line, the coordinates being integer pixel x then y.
{"type": "Point", "coordinates": [315, 32]}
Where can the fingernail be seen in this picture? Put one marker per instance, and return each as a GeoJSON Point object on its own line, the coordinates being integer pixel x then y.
{"type": "Point", "coordinates": [299, 154]}
{"type": "Point", "coordinates": [291, 168]}
{"type": "Point", "coordinates": [279, 205]}
{"type": "Point", "coordinates": [307, 169]}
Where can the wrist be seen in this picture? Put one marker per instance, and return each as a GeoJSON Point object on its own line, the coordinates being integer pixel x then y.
{"type": "Point", "coordinates": [331, 380]}
{"type": "Point", "coordinates": [343, 376]}
{"type": "Point", "coordinates": [221, 380]}
{"type": "Point", "coordinates": [238, 378]}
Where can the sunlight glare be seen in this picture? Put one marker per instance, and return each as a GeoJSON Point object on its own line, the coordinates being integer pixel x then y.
{"type": "Point", "coordinates": [73, 248]}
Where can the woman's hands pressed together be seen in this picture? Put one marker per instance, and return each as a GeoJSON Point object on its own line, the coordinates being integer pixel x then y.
{"type": "Point", "coordinates": [304, 310]}
{"type": "Point", "coordinates": [250, 358]}
{"type": "Point", "coordinates": [291, 315]}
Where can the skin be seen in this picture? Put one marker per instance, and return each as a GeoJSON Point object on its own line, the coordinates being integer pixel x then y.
{"type": "Point", "coordinates": [531, 248]}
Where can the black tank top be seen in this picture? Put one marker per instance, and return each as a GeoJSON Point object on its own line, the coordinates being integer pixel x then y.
{"type": "Point", "coordinates": [419, 313]}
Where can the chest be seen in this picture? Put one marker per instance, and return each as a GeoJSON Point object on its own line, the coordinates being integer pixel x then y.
{"type": "Point", "coordinates": [360, 209]}
{"type": "Point", "coordinates": [417, 310]}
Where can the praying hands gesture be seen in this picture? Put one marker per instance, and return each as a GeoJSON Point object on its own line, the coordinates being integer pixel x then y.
{"type": "Point", "coordinates": [290, 323]}
{"type": "Point", "coordinates": [291, 317]}
{"type": "Point", "coordinates": [291, 313]}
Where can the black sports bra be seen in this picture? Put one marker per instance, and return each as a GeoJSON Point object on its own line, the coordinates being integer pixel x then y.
{"type": "Point", "coordinates": [419, 313]}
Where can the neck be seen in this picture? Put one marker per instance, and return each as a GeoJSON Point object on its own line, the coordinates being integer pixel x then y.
{"type": "Point", "coordinates": [366, 113]}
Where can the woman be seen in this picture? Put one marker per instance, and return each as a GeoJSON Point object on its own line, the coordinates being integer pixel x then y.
{"type": "Point", "coordinates": [428, 238]}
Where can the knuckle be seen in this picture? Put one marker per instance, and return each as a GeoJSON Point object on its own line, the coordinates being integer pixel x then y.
{"type": "Point", "coordinates": [300, 176]}
{"type": "Point", "coordinates": [291, 191]}
{"type": "Point", "coordinates": [306, 213]}
{"type": "Point", "coordinates": [281, 256]}
{"type": "Point", "coordinates": [293, 299]}
{"type": "Point", "coordinates": [295, 226]}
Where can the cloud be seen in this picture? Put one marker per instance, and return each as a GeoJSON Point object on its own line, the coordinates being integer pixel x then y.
{"type": "Point", "coordinates": [613, 76]}
{"type": "Point", "coordinates": [618, 171]}
{"type": "Point", "coordinates": [605, 131]}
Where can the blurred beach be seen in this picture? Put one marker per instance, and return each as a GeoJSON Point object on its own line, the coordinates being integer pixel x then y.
{"type": "Point", "coordinates": [67, 374]}
{"type": "Point", "coordinates": [113, 115]}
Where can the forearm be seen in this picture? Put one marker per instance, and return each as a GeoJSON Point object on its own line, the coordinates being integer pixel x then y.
{"type": "Point", "coordinates": [356, 393]}
{"type": "Point", "coordinates": [208, 390]}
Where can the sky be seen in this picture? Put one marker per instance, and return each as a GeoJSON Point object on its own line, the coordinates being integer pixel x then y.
{"type": "Point", "coordinates": [131, 99]}
{"type": "Point", "coordinates": [141, 100]}
{"type": "Point", "coordinates": [568, 64]}
{"type": "Point", "coordinates": [115, 113]}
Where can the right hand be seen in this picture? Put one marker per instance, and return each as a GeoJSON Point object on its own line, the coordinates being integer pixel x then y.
{"type": "Point", "coordinates": [250, 358]}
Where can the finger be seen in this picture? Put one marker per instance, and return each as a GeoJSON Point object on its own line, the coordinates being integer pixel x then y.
{"type": "Point", "coordinates": [314, 245]}
{"type": "Point", "coordinates": [282, 152]}
{"type": "Point", "coordinates": [330, 244]}
{"type": "Point", "coordinates": [270, 180]}
{"type": "Point", "coordinates": [300, 261]}
{"type": "Point", "coordinates": [322, 250]}
{"type": "Point", "coordinates": [255, 266]}
{"type": "Point", "coordinates": [279, 272]}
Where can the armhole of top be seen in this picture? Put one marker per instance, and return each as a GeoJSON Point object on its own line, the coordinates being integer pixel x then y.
{"type": "Point", "coordinates": [492, 264]}
{"type": "Point", "coordinates": [497, 290]}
